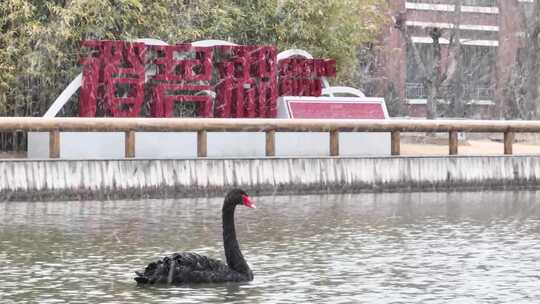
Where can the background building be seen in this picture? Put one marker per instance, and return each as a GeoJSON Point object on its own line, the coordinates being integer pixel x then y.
{"type": "Point", "coordinates": [479, 43]}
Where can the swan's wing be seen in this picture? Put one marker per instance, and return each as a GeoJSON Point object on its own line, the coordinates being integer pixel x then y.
{"type": "Point", "coordinates": [196, 262]}
{"type": "Point", "coordinates": [219, 276]}
{"type": "Point", "coordinates": [177, 268]}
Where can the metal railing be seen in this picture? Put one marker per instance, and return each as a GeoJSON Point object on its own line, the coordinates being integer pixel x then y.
{"type": "Point", "coordinates": [489, 3]}
{"type": "Point", "coordinates": [270, 126]}
{"type": "Point", "coordinates": [481, 93]}
{"type": "Point", "coordinates": [415, 90]}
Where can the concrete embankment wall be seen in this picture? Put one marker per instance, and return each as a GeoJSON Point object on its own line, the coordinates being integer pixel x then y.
{"type": "Point", "coordinates": [103, 179]}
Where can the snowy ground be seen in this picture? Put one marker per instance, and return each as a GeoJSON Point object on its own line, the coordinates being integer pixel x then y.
{"type": "Point", "coordinates": [474, 144]}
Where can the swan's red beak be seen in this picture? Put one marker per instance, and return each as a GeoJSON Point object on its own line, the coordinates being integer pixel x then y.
{"type": "Point", "coordinates": [247, 202]}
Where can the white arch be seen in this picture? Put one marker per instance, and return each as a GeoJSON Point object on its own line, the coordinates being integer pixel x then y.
{"type": "Point", "coordinates": [293, 52]}
{"type": "Point", "coordinates": [343, 90]}
{"type": "Point", "coordinates": [211, 42]}
{"type": "Point", "coordinates": [76, 83]}
{"type": "Point", "coordinates": [150, 41]}
{"type": "Point", "coordinates": [62, 99]}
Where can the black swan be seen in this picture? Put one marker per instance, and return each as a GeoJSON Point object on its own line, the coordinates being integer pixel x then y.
{"type": "Point", "coordinates": [187, 267]}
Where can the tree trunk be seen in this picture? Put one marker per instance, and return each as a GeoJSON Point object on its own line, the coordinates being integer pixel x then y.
{"type": "Point", "coordinates": [431, 103]}
{"type": "Point", "coordinates": [432, 82]}
{"type": "Point", "coordinates": [455, 73]}
{"type": "Point", "coordinates": [532, 66]}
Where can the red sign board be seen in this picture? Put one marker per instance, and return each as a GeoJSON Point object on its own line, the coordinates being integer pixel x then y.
{"type": "Point", "coordinates": [335, 109]}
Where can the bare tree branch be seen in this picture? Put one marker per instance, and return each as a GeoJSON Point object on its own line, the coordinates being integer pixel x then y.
{"type": "Point", "coordinates": [400, 21]}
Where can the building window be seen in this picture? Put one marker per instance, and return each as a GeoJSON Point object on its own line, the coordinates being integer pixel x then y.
{"type": "Point", "coordinates": [473, 78]}
{"type": "Point", "coordinates": [488, 3]}
{"type": "Point", "coordinates": [477, 71]}
{"type": "Point", "coordinates": [414, 88]}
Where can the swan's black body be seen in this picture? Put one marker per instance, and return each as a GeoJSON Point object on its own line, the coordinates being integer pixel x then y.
{"type": "Point", "coordinates": [186, 267]}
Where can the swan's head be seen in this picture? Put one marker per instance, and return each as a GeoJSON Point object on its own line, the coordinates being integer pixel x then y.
{"type": "Point", "coordinates": [238, 197]}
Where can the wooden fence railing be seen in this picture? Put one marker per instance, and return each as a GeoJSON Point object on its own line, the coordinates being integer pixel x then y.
{"type": "Point", "coordinates": [270, 126]}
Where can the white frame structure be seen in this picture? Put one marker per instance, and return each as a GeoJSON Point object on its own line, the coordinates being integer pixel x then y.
{"type": "Point", "coordinates": [183, 144]}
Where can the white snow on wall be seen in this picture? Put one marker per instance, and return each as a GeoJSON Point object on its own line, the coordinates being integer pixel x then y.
{"type": "Point", "coordinates": [107, 145]}
{"type": "Point", "coordinates": [83, 176]}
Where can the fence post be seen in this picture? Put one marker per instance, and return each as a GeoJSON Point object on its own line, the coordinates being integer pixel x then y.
{"type": "Point", "coordinates": [508, 142]}
{"type": "Point", "coordinates": [129, 144]}
{"type": "Point", "coordinates": [453, 143]}
{"type": "Point", "coordinates": [202, 143]}
{"type": "Point", "coordinates": [395, 143]}
{"type": "Point", "coordinates": [334, 143]}
{"type": "Point", "coordinates": [54, 144]}
{"type": "Point", "coordinates": [270, 143]}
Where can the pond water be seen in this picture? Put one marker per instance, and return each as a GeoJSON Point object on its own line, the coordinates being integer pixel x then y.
{"type": "Point", "coordinates": [474, 247]}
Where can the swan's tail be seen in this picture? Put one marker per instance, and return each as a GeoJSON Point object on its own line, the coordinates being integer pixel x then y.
{"type": "Point", "coordinates": [156, 272]}
{"type": "Point", "coordinates": [151, 274]}
{"type": "Point", "coordinates": [141, 278]}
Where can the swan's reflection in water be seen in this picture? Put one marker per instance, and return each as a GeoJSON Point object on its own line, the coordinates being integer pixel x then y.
{"type": "Point", "coordinates": [479, 247]}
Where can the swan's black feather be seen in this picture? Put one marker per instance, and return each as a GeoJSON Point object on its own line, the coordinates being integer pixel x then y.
{"type": "Point", "coordinates": [187, 267]}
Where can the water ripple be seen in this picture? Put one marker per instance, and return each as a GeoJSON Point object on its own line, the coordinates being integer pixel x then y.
{"type": "Point", "coordinates": [480, 247]}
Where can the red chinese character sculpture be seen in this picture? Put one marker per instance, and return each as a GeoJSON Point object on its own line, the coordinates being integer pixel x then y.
{"type": "Point", "coordinates": [302, 77]}
{"type": "Point", "coordinates": [116, 69]}
{"type": "Point", "coordinates": [247, 83]}
{"type": "Point", "coordinates": [179, 66]}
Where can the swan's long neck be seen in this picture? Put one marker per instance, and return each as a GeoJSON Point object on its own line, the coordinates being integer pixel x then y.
{"type": "Point", "coordinates": [235, 259]}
